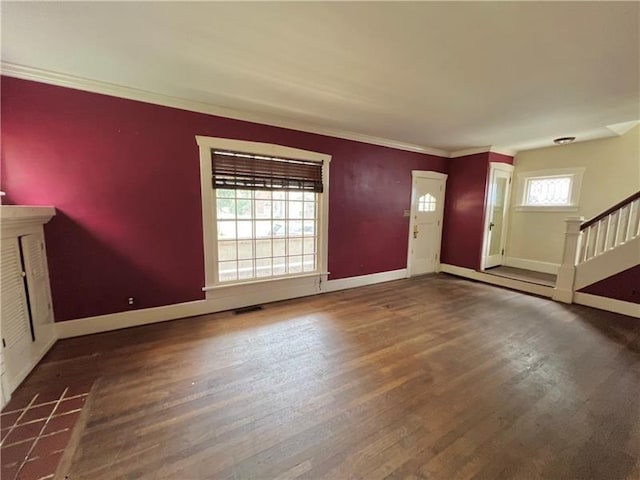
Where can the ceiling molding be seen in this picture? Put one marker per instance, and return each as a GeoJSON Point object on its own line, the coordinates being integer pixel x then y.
{"type": "Point", "coordinates": [120, 91]}
{"type": "Point", "coordinates": [469, 151]}
{"type": "Point", "coordinates": [473, 151]}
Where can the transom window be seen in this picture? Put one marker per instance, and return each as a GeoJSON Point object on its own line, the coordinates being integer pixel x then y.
{"type": "Point", "coordinates": [427, 203]}
{"type": "Point", "coordinates": [265, 233]}
{"type": "Point", "coordinates": [556, 189]}
{"type": "Point", "coordinates": [548, 191]}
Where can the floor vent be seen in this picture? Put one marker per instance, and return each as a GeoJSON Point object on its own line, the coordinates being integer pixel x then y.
{"type": "Point", "coordinates": [252, 308]}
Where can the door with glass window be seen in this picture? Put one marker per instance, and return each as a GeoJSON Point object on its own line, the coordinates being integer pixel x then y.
{"type": "Point", "coordinates": [496, 211]}
{"type": "Point", "coordinates": [425, 228]}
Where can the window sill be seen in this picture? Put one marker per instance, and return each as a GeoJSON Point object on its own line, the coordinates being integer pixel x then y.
{"type": "Point", "coordinates": [547, 208]}
{"type": "Point", "coordinates": [261, 281]}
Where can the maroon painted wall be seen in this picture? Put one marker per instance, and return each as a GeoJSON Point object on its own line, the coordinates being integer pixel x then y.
{"type": "Point", "coordinates": [465, 198]}
{"type": "Point", "coordinates": [622, 286]}
{"type": "Point", "coordinates": [124, 176]}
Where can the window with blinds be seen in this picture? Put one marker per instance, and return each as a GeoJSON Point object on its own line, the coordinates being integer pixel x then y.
{"type": "Point", "coordinates": [266, 216]}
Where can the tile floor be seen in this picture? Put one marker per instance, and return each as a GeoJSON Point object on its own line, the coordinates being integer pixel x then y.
{"type": "Point", "coordinates": [35, 432]}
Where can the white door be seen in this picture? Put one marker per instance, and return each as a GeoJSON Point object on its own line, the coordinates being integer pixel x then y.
{"type": "Point", "coordinates": [35, 264]}
{"type": "Point", "coordinates": [15, 325]}
{"type": "Point", "coordinates": [496, 212]}
{"type": "Point", "coordinates": [425, 228]}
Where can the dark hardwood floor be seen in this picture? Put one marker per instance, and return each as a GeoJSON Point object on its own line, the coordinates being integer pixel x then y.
{"type": "Point", "coordinates": [432, 377]}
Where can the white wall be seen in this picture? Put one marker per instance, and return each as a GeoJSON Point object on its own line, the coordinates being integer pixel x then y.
{"type": "Point", "coordinates": [612, 173]}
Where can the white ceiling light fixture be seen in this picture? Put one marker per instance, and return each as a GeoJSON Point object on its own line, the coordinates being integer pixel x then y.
{"type": "Point", "coordinates": [564, 140]}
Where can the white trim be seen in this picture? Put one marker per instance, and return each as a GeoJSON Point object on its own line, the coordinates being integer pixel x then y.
{"type": "Point", "coordinates": [536, 289]}
{"type": "Point", "coordinates": [533, 265]}
{"type": "Point", "coordinates": [209, 229]}
{"type": "Point", "coordinates": [508, 169]}
{"type": "Point", "coordinates": [363, 280]}
{"type": "Point", "coordinates": [609, 304]}
{"type": "Point", "coordinates": [13, 383]}
{"type": "Point", "coordinates": [121, 91]}
{"type": "Point", "coordinates": [546, 209]}
{"type": "Point", "coordinates": [432, 176]}
{"type": "Point", "coordinates": [146, 316]}
{"type": "Point", "coordinates": [473, 151]}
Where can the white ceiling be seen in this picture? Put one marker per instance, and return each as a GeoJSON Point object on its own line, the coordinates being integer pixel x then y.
{"type": "Point", "coordinates": [447, 75]}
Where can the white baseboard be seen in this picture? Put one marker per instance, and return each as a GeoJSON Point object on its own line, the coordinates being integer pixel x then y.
{"type": "Point", "coordinates": [609, 304]}
{"type": "Point", "coordinates": [541, 290]}
{"type": "Point", "coordinates": [224, 301]}
{"type": "Point", "coordinates": [363, 280]}
{"type": "Point", "coordinates": [534, 265]}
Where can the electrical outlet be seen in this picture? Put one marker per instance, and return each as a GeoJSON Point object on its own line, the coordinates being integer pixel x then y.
{"type": "Point", "coordinates": [131, 300]}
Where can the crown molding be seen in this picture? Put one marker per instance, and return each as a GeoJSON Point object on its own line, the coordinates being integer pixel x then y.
{"type": "Point", "coordinates": [476, 150]}
{"type": "Point", "coordinates": [121, 91]}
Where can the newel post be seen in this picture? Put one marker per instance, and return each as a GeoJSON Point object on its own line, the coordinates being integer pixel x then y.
{"type": "Point", "coordinates": [567, 271]}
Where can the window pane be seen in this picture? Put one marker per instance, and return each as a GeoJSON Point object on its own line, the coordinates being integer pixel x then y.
{"type": "Point", "coordinates": [227, 250]}
{"type": "Point", "coordinates": [263, 228]}
{"type": "Point", "coordinates": [295, 196]}
{"type": "Point", "coordinates": [227, 271]}
{"type": "Point", "coordinates": [309, 245]}
{"type": "Point", "coordinates": [548, 191]}
{"type": "Point", "coordinates": [263, 204]}
{"type": "Point", "coordinates": [263, 249]}
{"type": "Point", "coordinates": [279, 265]}
{"type": "Point", "coordinates": [279, 247]}
{"type": "Point", "coordinates": [309, 263]}
{"type": "Point", "coordinates": [226, 230]}
{"type": "Point", "coordinates": [309, 210]}
{"type": "Point", "coordinates": [245, 249]}
{"type": "Point", "coordinates": [243, 193]}
{"type": "Point", "coordinates": [295, 246]}
{"type": "Point", "coordinates": [243, 208]}
{"type": "Point", "coordinates": [309, 227]}
{"type": "Point", "coordinates": [245, 229]}
{"type": "Point", "coordinates": [278, 209]}
{"type": "Point", "coordinates": [245, 269]}
{"type": "Point", "coordinates": [226, 208]}
{"type": "Point", "coordinates": [263, 267]}
{"type": "Point", "coordinates": [278, 229]}
{"type": "Point", "coordinates": [295, 264]}
{"type": "Point", "coordinates": [224, 193]}
{"type": "Point", "coordinates": [295, 209]}
{"type": "Point", "coordinates": [309, 196]}
{"type": "Point", "coordinates": [295, 228]}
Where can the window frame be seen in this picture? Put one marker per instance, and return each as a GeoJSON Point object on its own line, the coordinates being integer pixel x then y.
{"type": "Point", "coordinates": [524, 178]}
{"type": "Point", "coordinates": [209, 214]}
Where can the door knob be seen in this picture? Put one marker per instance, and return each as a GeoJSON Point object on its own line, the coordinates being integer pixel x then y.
{"type": "Point", "coordinates": [415, 231]}
{"type": "Point", "coordinates": [491, 225]}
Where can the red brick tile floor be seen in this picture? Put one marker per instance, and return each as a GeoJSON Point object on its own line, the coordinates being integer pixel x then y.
{"type": "Point", "coordinates": [35, 432]}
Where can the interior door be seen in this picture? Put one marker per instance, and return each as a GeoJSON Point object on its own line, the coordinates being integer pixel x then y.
{"type": "Point", "coordinates": [425, 232]}
{"type": "Point", "coordinates": [496, 212]}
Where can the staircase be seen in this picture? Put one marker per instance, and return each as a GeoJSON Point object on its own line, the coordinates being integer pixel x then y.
{"type": "Point", "coordinates": [599, 248]}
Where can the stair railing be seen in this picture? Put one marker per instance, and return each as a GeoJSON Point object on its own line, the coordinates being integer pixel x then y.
{"type": "Point", "coordinates": [586, 240]}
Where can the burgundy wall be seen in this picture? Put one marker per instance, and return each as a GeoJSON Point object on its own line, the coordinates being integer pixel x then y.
{"type": "Point", "coordinates": [124, 176]}
{"type": "Point", "coordinates": [622, 286]}
{"type": "Point", "coordinates": [465, 196]}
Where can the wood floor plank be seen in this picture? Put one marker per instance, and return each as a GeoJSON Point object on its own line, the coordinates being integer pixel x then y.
{"type": "Point", "coordinates": [432, 377]}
